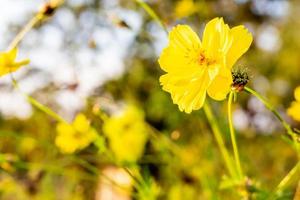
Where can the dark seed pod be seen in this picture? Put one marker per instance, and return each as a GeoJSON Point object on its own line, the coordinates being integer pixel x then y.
{"type": "Point", "coordinates": [240, 79]}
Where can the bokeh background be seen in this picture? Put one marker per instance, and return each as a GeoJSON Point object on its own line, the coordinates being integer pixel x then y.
{"type": "Point", "coordinates": [102, 54]}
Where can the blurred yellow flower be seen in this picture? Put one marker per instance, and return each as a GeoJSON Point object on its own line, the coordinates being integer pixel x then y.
{"type": "Point", "coordinates": [56, 3]}
{"type": "Point", "coordinates": [49, 8]}
{"type": "Point", "coordinates": [294, 109]}
{"type": "Point", "coordinates": [127, 134]}
{"type": "Point", "coordinates": [185, 8]}
{"type": "Point", "coordinates": [27, 144]}
{"type": "Point", "coordinates": [7, 62]}
{"type": "Point", "coordinates": [75, 136]}
{"type": "Point", "coordinates": [194, 67]}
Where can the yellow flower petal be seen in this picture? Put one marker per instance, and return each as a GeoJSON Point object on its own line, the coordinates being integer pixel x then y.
{"type": "Point", "coordinates": [185, 8]}
{"type": "Point", "coordinates": [216, 38]}
{"type": "Point", "coordinates": [183, 47]}
{"type": "Point", "coordinates": [242, 40]}
{"type": "Point", "coordinates": [8, 63]}
{"type": "Point", "coordinates": [17, 65]}
{"type": "Point", "coordinates": [3, 59]}
{"type": "Point", "coordinates": [12, 54]}
{"type": "Point", "coordinates": [81, 123]}
{"type": "Point", "coordinates": [75, 136]}
{"type": "Point", "coordinates": [127, 134]}
{"type": "Point", "coordinates": [294, 111]}
{"type": "Point", "coordinates": [187, 92]}
{"type": "Point", "coordinates": [220, 86]}
{"type": "Point", "coordinates": [297, 93]}
{"type": "Point", "coordinates": [64, 129]}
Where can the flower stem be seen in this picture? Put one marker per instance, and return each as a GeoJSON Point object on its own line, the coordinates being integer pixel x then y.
{"type": "Point", "coordinates": [14, 44]}
{"type": "Point", "coordinates": [95, 171]}
{"type": "Point", "coordinates": [266, 103]}
{"type": "Point", "coordinates": [25, 30]}
{"type": "Point", "coordinates": [38, 105]}
{"type": "Point", "coordinates": [283, 183]}
{"type": "Point", "coordinates": [219, 139]}
{"type": "Point", "coordinates": [232, 136]}
{"type": "Point", "coordinates": [152, 14]}
{"type": "Point", "coordinates": [270, 107]}
{"type": "Point", "coordinates": [297, 193]}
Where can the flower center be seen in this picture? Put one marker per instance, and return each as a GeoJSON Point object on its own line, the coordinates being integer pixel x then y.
{"type": "Point", "coordinates": [203, 60]}
{"type": "Point", "coordinates": [77, 135]}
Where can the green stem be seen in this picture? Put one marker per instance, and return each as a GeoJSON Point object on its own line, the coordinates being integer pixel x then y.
{"type": "Point", "coordinates": [267, 104]}
{"type": "Point", "coordinates": [25, 30]}
{"type": "Point", "coordinates": [14, 44]}
{"type": "Point", "coordinates": [96, 171]}
{"type": "Point", "coordinates": [270, 107]}
{"type": "Point", "coordinates": [37, 104]}
{"type": "Point", "coordinates": [152, 14]}
{"type": "Point", "coordinates": [283, 183]}
{"type": "Point", "coordinates": [160, 137]}
{"type": "Point", "coordinates": [219, 139]}
{"type": "Point", "coordinates": [232, 135]}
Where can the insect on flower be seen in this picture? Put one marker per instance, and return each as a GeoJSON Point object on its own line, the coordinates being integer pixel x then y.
{"type": "Point", "coordinates": [194, 68]}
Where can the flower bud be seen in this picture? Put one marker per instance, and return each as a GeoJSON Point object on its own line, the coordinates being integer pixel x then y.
{"type": "Point", "coordinates": [240, 79]}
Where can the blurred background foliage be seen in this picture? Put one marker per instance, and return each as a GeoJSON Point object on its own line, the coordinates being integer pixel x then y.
{"type": "Point", "coordinates": [98, 57]}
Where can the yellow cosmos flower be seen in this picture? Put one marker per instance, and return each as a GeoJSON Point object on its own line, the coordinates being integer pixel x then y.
{"type": "Point", "coordinates": [7, 62]}
{"type": "Point", "coordinates": [294, 109]}
{"type": "Point", "coordinates": [193, 67]}
{"type": "Point", "coordinates": [185, 8]}
{"type": "Point", "coordinates": [75, 136]}
{"type": "Point", "coordinates": [127, 134]}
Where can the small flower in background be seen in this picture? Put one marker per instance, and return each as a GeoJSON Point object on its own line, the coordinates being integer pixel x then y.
{"type": "Point", "coordinates": [127, 134]}
{"type": "Point", "coordinates": [8, 63]}
{"type": "Point", "coordinates": [56, 3]}
{"type": "Point", "coordinates": [75, 136]}
{"type": "Point", "coordinates": [7, 161]}
{"type": "Point", "coordinates": [49, 7]}
{"type": "Point", "coordinates": [294, 109]}
{"type": "Point", "coordinates": [194, 67]}
{"type": "Point", "coordinates": [185, 8]}
{"type": "Point", "coordinates": [27, 145]}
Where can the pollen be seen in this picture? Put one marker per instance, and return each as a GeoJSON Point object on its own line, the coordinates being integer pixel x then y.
{"type": "Point", "coordinates": [202, 59]}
